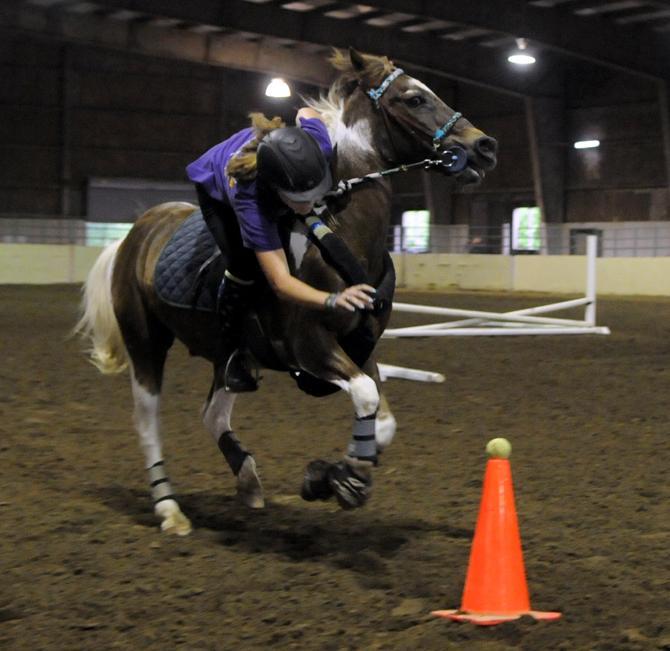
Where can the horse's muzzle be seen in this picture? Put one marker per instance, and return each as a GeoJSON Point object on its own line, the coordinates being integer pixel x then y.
{"type": "Point", "coordinates": [486, 150]}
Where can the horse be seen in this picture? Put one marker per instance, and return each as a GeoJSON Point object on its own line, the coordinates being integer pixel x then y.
{"type": "Point", "coordinates": [377, 116]}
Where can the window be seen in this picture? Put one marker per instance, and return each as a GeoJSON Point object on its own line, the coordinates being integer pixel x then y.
{"type": "Point", "coordinates": [526, 233]}
{"type": "Point", "coordinates": [416, 231]}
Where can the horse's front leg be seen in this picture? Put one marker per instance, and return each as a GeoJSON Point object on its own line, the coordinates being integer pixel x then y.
{"type": "Point", "coordinates": [350, 480]}
{"type": "Point", "coordinates": [385, 423]}
{"type": "Point", "coordinates": [216, 416]}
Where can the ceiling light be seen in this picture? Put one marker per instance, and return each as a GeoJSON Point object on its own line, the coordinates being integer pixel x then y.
{"type": "Point", "coordinates": [521, 57]}
{"type": "Point", "coordinates": [278, 88]}
{"type": "Point", "coordinates": [586, 144]}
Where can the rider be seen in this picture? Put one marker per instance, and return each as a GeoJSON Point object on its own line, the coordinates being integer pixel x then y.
{"type": "Point", "coordinates": [245, 184]}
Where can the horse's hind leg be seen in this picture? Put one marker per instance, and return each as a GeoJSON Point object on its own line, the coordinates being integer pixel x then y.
{"type": "Point", "coordinates": [147, 348]}
{"type": "Point", "coordinates": [216, 416]}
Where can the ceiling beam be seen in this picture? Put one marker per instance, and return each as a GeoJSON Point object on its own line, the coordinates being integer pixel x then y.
{"type": "Point", "coordinates": [143, 38]}
{"type": "Point", "coordinates": [468, 64]}
{"type": "Point", "coordinates": [593, 38]}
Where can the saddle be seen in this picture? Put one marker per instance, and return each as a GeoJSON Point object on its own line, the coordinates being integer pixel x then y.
{"type": "Point", "coordinates": [189, 272]}
{"type": "Point", "coordinates": [190, 267]}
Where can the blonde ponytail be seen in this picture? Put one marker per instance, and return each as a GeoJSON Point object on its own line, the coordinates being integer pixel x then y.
{"type": "Point", "coordinates": [242, 167]}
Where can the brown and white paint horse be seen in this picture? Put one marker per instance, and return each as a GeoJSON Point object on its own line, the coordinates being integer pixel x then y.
{"type": "Point", "coordinates": [399, 122]}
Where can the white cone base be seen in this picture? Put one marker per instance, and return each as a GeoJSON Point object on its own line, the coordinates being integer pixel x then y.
{"type": "Point", "coordinates": [489, 619]}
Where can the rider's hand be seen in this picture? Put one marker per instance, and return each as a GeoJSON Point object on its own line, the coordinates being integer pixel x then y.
{"type": "Point", "coordinates": [355, 297]}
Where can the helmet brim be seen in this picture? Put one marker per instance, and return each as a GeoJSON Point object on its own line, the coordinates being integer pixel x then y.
{"type": "Point", "coordinates": [314, 194]}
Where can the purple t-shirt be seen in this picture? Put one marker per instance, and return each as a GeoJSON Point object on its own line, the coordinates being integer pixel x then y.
{"type": "Point", "coordinates": [258, 231]}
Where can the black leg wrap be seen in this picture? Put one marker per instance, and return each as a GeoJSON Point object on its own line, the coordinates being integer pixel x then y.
{"type": "Point", "coordinates": [160, 483]}
{"type": "Point", "coordinates": [233, 451]}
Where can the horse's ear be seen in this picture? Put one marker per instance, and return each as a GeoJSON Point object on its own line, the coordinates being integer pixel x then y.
{"type": "Point", "coordinates": [357, 61]}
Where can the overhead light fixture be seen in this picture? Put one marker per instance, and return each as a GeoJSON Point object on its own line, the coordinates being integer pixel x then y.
{"type": "Point", "coordinates": [586, 144]}
{"type": "Point", "coordinates": [521, 57]}
{"type": "Point", "coordinates": [278, 88]}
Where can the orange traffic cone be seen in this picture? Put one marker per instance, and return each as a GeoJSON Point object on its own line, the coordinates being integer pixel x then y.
{"type": "Point", "coordinates": [495, 587]}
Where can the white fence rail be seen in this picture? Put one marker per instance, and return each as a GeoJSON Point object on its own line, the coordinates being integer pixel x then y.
{"type": "Point", "coordinates": [615, 239]}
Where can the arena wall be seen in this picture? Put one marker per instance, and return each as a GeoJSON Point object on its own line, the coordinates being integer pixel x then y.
{"type": "Point", "coordinates": [566, 274]}
{"type": "Point", "coordinates": [40, 264]}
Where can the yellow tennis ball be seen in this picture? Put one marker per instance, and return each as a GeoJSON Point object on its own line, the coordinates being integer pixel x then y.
{"type": "Point", "coordinates": [499, 448]}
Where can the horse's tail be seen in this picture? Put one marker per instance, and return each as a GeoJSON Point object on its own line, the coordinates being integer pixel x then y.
{"type": "Point", "coordinates": [98, 322]}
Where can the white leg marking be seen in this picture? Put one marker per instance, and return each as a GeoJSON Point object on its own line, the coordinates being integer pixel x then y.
{"type": "Point", "coordinates": [363, 392]}
{"type": "Point", "coordinates": [385, 424]}
{"type": "Point", "coordinates": [249, 487]}
{"type": "Point", "coordinates": [147, 422]}
{"type": "Point", "coordinates": [217, 413]}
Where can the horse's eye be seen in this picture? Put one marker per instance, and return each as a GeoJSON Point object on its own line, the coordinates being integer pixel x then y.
{"type": "Point", "coordinates": [415, 101]}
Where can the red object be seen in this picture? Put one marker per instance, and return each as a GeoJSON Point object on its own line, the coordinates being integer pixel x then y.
{"type": "Point", "coordinates": [495, 586]}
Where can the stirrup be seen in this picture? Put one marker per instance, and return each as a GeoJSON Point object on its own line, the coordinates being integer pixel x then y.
{"type": "Point", "coordinates": [236, 375]}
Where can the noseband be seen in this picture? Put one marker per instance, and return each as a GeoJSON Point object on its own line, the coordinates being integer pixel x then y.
{"type": "Point", "coordinates": [438, 135]}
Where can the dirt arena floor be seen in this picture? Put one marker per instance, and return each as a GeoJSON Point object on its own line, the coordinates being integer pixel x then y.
{"type": "Point", "coordinates": [84, 566]}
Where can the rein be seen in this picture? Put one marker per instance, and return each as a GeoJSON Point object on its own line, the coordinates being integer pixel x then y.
{"type": "Point", "coordinates": [333, 249]}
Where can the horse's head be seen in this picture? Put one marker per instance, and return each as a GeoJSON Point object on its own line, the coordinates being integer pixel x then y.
{"type": "Point", "coordinates": [408, 121]}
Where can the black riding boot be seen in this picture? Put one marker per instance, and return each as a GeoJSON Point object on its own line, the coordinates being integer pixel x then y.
{"type": "Point", "coordinates": [231, 305]}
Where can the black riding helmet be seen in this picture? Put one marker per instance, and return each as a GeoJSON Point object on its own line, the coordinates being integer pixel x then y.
{"type": "Point", "coordinates": [290, 160]}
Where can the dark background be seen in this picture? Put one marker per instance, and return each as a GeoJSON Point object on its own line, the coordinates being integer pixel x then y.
{"type": "Point", "coordinates": [136, 89]}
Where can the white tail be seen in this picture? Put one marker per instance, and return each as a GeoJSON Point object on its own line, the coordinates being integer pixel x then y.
{"type": "Point", "coordinates": [98, 322]}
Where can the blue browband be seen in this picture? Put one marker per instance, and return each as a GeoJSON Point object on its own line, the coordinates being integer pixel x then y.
{"type": "Point", "coordinates": [376, 93]}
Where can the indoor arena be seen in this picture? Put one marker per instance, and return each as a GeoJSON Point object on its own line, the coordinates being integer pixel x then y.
{"type": "Point", "coordinates": [331, 326]}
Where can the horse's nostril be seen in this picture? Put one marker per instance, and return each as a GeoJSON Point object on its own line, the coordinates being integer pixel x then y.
{"type": "Point", "coordinates": [486, 147]}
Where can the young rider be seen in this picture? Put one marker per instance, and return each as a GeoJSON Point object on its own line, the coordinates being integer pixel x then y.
{"type": "Point", "coordinates": [245, 184]}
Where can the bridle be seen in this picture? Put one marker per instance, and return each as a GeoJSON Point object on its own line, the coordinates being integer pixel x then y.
{"type": "Point", "coordinates": [437, 136]}
{"type": "Point", "coordinates": [450, 160]}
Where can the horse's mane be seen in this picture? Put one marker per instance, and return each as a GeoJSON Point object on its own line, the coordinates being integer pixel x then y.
{"type": "Point", "coordinates": [376, 69]}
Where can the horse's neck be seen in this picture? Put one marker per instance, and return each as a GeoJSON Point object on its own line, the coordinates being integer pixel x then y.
{"type": "Point", "coordinates": [368, 221]}
{"type": "Point", "coordinates": [356, 152]}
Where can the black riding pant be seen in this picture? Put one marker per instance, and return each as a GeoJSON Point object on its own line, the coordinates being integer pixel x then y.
{"type": "Point", "coordinates": [224, 227]}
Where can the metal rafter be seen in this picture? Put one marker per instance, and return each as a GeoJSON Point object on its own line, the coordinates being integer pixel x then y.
{"type": "Point", "coordinates": [593, 38]}
{"type": "Point", "coordinates": [480, 66]}
{"type": "Point", "coordinates": [161, 38]}
{"type": "Point", "coordinates": [631, 47]}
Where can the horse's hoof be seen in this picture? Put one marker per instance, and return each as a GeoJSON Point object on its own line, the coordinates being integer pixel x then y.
{"type": "Point", "coordinates": [351, 482]}
{"type": "Point", "coordinates": [177, 525]}
{"type": "Point", "coordinates": [174, 521]}
{"type": "Point", "coordinates": [249, 487]}
{"type": "Point", "coordinates": [315, 484]}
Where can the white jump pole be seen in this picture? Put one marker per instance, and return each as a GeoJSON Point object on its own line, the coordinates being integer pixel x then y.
{"type": "Point", "coordinates": [492, 316]}
{"type": "Point", "coordinates": [517, 322]}
{"type": "Point", "coordinates": [591, 256]}
{"type": "Point", "coordinates": [402, 372]}
{"type": "Point", "coordinates": [540, 309]}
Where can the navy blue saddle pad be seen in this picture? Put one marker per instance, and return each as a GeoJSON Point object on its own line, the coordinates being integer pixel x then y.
{"type": "Point", "coordinates": [176, 272]}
